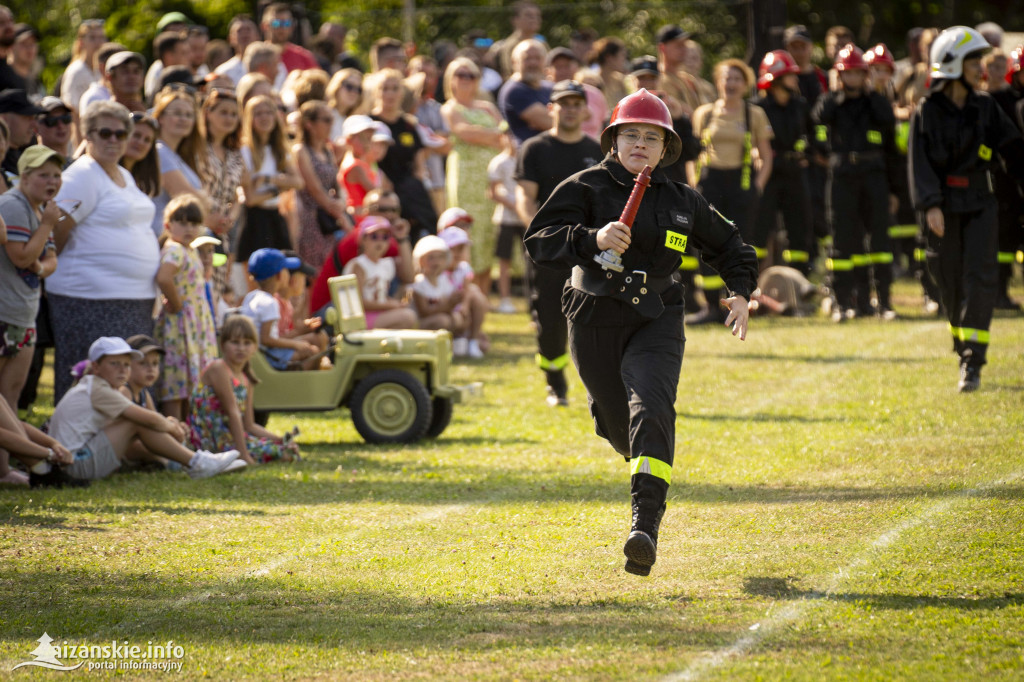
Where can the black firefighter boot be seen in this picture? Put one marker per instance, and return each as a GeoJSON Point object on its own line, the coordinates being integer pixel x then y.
{"type": "Point", "coordinates": [641, 548]}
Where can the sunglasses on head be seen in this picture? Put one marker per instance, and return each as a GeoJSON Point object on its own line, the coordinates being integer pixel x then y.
{"type": "Point", "coordinates": [139, 117]}
{"type": "Point", "coordinates": [51, 121]}
{"type": "Point", "coordinates": [107, 133]}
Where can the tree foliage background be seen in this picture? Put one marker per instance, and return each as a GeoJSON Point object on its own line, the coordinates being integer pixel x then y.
{"type": "Point", "coordinates": [720, 26]}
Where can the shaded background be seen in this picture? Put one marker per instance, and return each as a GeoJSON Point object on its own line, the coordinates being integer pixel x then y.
{"type": "Point", "coordinates": [725, 28]}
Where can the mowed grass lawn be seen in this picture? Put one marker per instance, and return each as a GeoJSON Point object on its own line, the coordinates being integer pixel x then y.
{"type": "Point", "coordinates": [838, 511]}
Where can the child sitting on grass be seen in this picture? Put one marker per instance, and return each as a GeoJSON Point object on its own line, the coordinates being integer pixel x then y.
{"type": "Point", "coordinates": [270, 270]}
{"type": "Point", "coordinates": [437, 301]}
{"type": "Point", "coordinates": [145, 372]}
{"type": "Point", "coordinates": [473, 342]}
{"type": "Point", "coordinates": [99, 424]}
{"type": "Point", "coordinates": [222, 413]}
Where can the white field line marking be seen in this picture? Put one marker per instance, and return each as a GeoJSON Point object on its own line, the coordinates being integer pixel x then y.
{"type": "Point", "coordinates": [796, 609]}
{"type": "Point", "coordinates": [284, 558]}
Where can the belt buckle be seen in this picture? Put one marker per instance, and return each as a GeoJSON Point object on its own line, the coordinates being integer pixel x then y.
{"type": "Point", "coordinates": [641, 272]}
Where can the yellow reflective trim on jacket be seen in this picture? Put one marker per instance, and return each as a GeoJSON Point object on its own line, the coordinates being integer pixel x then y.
{"type": "Point", "coordinates": [984, 153]}
{"type": "Point", "coordinates": [903, 137]}
{"type": "Point", "coordinates": [839, 264]}
{"type": "Point", "coordinates": [920, 255]}
{"type": "Point", "coordinates": [553, 364]}
{"type": "Point", "coordinates": [745, 174]}
{"type": "Point", "coordinates": [880, 258]}
{"type": "Point", "coordinates": [792, 256]}
{"type": "Point", "coordinates": [1005, 257]}
{"type": "Point", "coordinates": [689, 263]}
{"type": "Point", "coordinates": [821, 133]}
{"type": "Point", "coordinates": [709, 282]}
{"type": "Point", "coordinates": [874, 137]}
{"type": "Point", "coordinates": [652, 467]}
{"type": "Point", "coordinates": [902, 231]}
{"type": "Point", "coordinates": [800, 145]}
{"type": "Point", "coordinates": [760, 252]}
{"type": "Point", "coordinates": [860, 260]}
{"type": "Point", "coordinates": [966, 334]}
{"type": "Point", "coordinates": [1020, 256]}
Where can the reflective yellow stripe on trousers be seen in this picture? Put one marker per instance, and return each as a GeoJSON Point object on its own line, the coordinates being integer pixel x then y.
{"type": "Point", "coordinates": [553, 364]}
{"type": "Point", "coordinates": [967, 334]}
{"type": "Point", "coordinates": [654, 467]}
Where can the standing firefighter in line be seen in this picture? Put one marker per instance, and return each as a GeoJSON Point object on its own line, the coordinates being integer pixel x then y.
{"type": "Point", "coordinates": [955, 134]}
{"type": "Point", "coordinates": [626, 328]}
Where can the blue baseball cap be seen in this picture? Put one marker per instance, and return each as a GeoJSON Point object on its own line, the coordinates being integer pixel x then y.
{"type": "Point", "coordinates": [265, 263]}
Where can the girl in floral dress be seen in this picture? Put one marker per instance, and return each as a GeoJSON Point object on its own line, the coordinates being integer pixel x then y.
{"type": "Point", "coordinates": [185, 325]}
{"type": "Point", "coordinates": [222, 401]}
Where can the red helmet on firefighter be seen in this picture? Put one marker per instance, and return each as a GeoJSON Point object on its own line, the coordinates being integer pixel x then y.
{"type": "Point", "coordinates": [774, 66]}
{"type": "Point", "coordinates": [880, 55]}
{"type": "Point", "coordinates": [643, 107]}
{"type": "Point", "coordinates": [850, 58]}
{"type": "Point", "coordinates": [1013, 63]}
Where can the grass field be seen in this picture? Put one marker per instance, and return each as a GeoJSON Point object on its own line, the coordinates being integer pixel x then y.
{"type": "Point", "coordinates": [838, 511]}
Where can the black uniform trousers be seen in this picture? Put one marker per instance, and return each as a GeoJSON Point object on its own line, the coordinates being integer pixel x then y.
{"type": "Point", "coordinates": [859, 207]}
{"type": "Point", "coordinates": [963, 264]}
{"type": "Point", "coordinates": [787, 194]}
{"type": "Point", "coordinates": [722, 189]}
{"type": "Point", "coordinates": [545, 285]}
{"type": "Point", "coordinates": [1011, 227]}
{"type": "Point", "coordinates": [632, 374]}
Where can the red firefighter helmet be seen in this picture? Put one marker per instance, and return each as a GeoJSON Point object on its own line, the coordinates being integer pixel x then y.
{"type": "Point", "coordinates": [880, 55]}
{"type": "Point", "coordinates": [643, 107]}
{"type": "Point", "coordinates": [850, 58]}
{"type": "Point", "coordinates": [1013, 62]}
{"type": "Point", "coordinates": [774, 66]}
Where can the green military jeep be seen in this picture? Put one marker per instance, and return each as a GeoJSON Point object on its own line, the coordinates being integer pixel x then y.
{"type": "Point", "coordinates": [394, 381]}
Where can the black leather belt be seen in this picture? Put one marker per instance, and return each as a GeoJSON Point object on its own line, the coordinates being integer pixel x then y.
{"type": "Point", "coordinates": [635, 287]}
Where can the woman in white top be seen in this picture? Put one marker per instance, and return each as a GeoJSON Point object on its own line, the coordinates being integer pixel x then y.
{"type": "Point", "coordinates": [271, 171]}
{"type": "Point", "coordinates": [104, 284]}
{"type": "Point", "coordinates": [181, 149]}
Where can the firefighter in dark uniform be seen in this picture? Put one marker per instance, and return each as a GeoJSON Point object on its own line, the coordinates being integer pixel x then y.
{"type": "Point", "coordinates": [541, 164]}
{"type": "Point", "coordinates": [955, 136]}
{"type": "Point", "coordinates": [787, 191]}
{"type": "Point", "coordinates": [857, 126]}
{"type": "Point", "coordinates": [1011, 204]}
{"type": "Point", "coordinates": [626, 328]}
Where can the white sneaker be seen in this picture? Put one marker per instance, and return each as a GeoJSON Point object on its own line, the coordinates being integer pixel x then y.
{"type": "Point", "coordinates": [205, 463]}
{"type": "Point", "coordinates": [460, 347]}
{"type": "Point", "coordinates": [506, 307]}
{"type": "Point", "coordinates": [473, 350]}
{"type": "Point", "coordinates": [237, 465]}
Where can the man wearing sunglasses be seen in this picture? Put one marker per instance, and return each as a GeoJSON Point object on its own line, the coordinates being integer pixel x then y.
{"type": "Point", "coordinates": [278, 27]}
{"type": "Point", "coordinates": [53, 127]}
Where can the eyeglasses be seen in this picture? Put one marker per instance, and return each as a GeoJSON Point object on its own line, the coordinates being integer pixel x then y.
{"type": "Point", "coordinates": [384, 209]}
{"type": "Point", "coordinates": [352, 88]}
{"type": "Point", "coordinates": [281, 23]}
{"type": "Point", "coordinates": [634, 136]}
{"type": "Point", "coordinates": [379, 236]}
{"type": "Point", "coordinates": [466, 75]}
{"type": "Point", "coordinates": [52, 121]}
{"type": "Point", "coordinates": [106, 133]}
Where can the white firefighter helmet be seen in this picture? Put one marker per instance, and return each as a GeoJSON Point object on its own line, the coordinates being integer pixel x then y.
{"type": "Point", "coordinates": [950, 49]}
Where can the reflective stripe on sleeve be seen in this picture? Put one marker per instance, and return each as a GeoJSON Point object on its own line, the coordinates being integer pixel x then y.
{"type": "Point", "coordinates": [902, 231]}
{"type": "Point", "coordinates": [1005, 257]}
{"type": "Point", "coordinates": [792, 256]}
{"type": "Point", "coordinates": [689, 263]}
{"type": "Point", "coordinates": [651, 466]}
{"type": "Point", "coordinates": [860, 260]}
{"type": "Point", "coordinates": [709, 282]}
{"type": "Point", "coordinates": [839, 264]}
{"type": "Point", "coordinates": [880, 258]}
{"type": "Point", "coordinates": [760, 252]}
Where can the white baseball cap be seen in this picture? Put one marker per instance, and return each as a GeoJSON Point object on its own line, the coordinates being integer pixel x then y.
{"type": "Point", "coordinates": [453, 236]}
{"type": "Point", "coordinates": [451, 216]}
{"type": "Point", "coordinates": [110, 345]}
{"type": "Point", "coordinates": [356, 124]}
{"type": "Point", "coordinates": [381, 133]}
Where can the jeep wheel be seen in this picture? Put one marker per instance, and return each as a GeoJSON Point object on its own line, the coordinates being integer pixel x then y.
{"type": "Point", "coordinates": [390, 406]}
{"type": "Point", "coordinates": [441, 418]}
